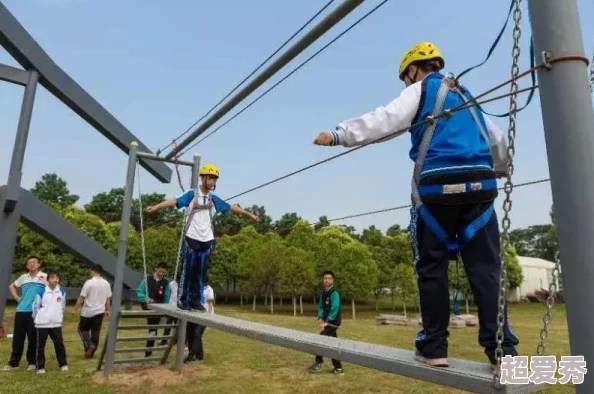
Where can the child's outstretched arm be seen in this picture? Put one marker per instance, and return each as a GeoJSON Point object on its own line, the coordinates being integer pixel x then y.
{"type": "Point", "coordinates": [376, 126]}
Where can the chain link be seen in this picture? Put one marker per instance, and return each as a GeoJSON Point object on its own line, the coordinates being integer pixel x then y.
{"type": "Point", "coordinates": [546, 319]}
{"type": "Point", "coordinates": [508, 188]}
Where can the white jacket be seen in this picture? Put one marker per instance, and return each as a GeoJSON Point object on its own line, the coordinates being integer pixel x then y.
{"type": "Point", "coordinates": [48, 307]}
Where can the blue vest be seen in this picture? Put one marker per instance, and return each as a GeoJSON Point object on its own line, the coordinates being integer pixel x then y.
{"type": "Point", "coordinates": [458, 145]}
{"type": "Point", "coordinates": [453, 160]}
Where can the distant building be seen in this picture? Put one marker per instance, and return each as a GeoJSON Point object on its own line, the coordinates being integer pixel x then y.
{"type": "Point", "coordinates": [538, 274]}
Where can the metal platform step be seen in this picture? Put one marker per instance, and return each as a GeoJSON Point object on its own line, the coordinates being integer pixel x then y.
{"type": "Point", "coordinates": [144, 338]}
{"type": "Point", "coordinates": [141, 349]}
{"type": "Point", "coordinates": [147, 326]}
{"type": "Point", "coordinates": [136, 360]}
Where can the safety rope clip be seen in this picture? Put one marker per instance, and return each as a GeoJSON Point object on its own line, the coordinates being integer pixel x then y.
{"type": "Point", "coordinates": [447, 113]}
{"type": "Point", "coordinates": [430, 120]}
{"type": "Point", "coordinates": [546, 59]}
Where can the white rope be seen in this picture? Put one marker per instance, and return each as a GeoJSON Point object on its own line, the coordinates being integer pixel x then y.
{"type": "Point", "coordinates": [141, 228]}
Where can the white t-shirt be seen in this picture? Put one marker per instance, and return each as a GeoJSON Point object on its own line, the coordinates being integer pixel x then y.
{"type": "Point", "coordinates": [200, 227]}
{"type": "Point", "coordinates": [173, 290]}
{"type": "Point", "coordinates": [95, 291]}
{"type": "Point", "coordinates": [208, 294]}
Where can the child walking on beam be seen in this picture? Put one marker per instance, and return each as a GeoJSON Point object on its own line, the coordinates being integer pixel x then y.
{"type": "Point", "coordinates": [457, 160]}
{"type": "Point", "coordinates": [199, 234]}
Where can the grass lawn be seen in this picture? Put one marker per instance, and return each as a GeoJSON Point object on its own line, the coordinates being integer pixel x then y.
{"type": "Point", "coordinates": [237, 365]}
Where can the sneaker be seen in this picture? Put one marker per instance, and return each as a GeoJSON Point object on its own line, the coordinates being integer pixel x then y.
{"type": "Point", "coordinates": [40, 371]}
{"type": "Point", "coordinates": [8, 368]}
{"type": "Point", "coordinates": [90, 351]}
{"type": "Point", "coordinates": [197, 307]}
{"type": "Point", "coordinates": [182, 306]}
{"type": "Point", "coordinates": [338, 371]}
{"type": "Point", "coordinates": [316, 367]}
{"type": "Point", "coordinates": [31, 367]}
{"type": "Point", "coordinates": [191, 359]}
{"type": "Point", "coordinates": [64, 368]}
{"type": "Point", "coordinates": [433, 362]}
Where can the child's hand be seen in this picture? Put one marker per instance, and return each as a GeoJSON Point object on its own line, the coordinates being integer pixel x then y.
{"type": "Point", "coordinates": [324, 139]}
{"type": "Point", "coordinates": [255, 218]}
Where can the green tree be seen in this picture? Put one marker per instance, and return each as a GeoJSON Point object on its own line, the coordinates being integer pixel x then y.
{"type": "Point", "coordinates": [52, 188]}
{"type": "Point", "coordinates": [162, 246]}
{"type": "Point", "coordinates": [223, 265]}
{"type": "Point", "coordinates": [357, 272]}
{"type": "Point", "coordinates": [260, 265]}
{"type": "Point", "coordinates": [134, 250]}
{"type": "Point", "coordinates": [285, 224]}
{"type": "Point", "coordinates": [513, 268]}
{"type": "Point", "coordinates": [297, 273]}
{"type": "Point", "coordinates": [405, 283]}
{"type": "Point", "coordinates": [536, 241]}
{"type": "Point", "coordinates": [107, 205]}
{"type": "Point", "coordinates": [322, 222]}
{"type": "Point", "coordinates": [395, 230]}
{"type": "Point", "coordinates": [231, 224]}
{"type": "Point", "coordinates": [372, 236]}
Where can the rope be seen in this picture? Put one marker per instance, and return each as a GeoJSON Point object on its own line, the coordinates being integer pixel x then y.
{"type": "Point", "coordinates": [141, 226]}
{"type": "Point", "coordinates": [443, 114]}
{"type": "Point", "coordinates": [176, 166]}
{"type": "Point", "coordinates": [251, 74]}
{"type": "Point", "coordinates": [288, 75]}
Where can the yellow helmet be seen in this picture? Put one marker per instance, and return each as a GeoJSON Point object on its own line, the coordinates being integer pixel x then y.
{"type": "Point", "coordinates": [422, 51]}
{"type": "Point", "coordinates": [209, 169]}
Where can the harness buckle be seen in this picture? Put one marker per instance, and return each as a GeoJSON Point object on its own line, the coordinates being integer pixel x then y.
{"type": "Point", "coordinates": [430, 120]}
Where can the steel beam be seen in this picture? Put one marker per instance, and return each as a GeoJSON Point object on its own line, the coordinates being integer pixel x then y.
{"type": "Point", "coordinates": [461, 374]}
{"type": "Point", "coordinates": [25, 50]}
{"type": "Point", "coordinates": [121, 262]}
{"type": "Point", "coordinates": [46, 221]}
{"type": "Point", "coordinates": [568, 120]}
{"type": "Point", "coordinates": [13, 75]}
{"type": "Point", "coordinates": [151, 156]}
{"type": "Point", "coordinates": [304, 42]}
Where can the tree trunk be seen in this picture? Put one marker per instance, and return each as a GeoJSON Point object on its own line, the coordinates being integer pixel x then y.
{"type": "Point", "coordinates": [294, 306]}
{"type": "Point", "coordinates": [254, 304]}
{"type": "Point", "coordinates": [265, 298]}
{"type": "Point", "coordinates": [314, 300]}
{"type": "Point", "coordinates": [404, 305]}
{"type": "Point", "coordinates": [281, 302]}
{"type": "Point", "coordinates": [241, 299]}
{"type": "Point", "coordinates": [392, 294]}
{"type": "Point", "coordinates": [226, 298]}
{"type": "Point", "coordinates": [467, 309]}
{"type": "Point", "coordinates": [271, 303]}
{"type": "Point", "coordinates": [353, 306]}
{"type": "Point", "coordinates": [301, 304]}
{"type": "Point", "coordinates": [234, 286]}
{"type": "Point", "coordinates": [377, 303]}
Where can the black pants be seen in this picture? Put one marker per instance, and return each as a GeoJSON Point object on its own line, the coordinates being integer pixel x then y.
{"type": "Point", "coordinates": [56, 335]}
{"type": "Point", "coordinates": [194, 335]}
{"type": "Point", "coordinates": [194, 273]}
{"type": "Point", "coordinates": [89, 329]}
{"type": "Point", "coordinates": [483, 266]}
{"type": "Point", "coordinates": [24, 327]}
{"type": "Point", "coordinates": [152, 332]}
{"type": "Point", "coordinates": [329, 331]}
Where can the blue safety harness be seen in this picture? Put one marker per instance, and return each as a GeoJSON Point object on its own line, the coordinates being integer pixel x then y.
{"type": "Point", "coordinates": [201, 256]}
{"type": "Point", "coordinates": [419, 191]}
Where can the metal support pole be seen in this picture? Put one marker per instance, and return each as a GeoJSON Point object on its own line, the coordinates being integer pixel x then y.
{"type": "Point", "coordinates": [195, 171]}
{"type": "Point", "coordinates": [181, 344]}
{"type": "Point", "coordinates": [154, 157]}
{"type": "Point", "coordinates": [121, 262]}
{"type": "Point", "coordinates": [304, 42]}
{"type": "Point", "coordinates": [569, 131]}
{"type": "Point", "coordinates": [11, 212]}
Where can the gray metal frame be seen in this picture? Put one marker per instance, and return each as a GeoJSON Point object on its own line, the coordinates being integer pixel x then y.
{"type": "Point", "coordinates": [568, 120]}
{"type": "Point", "coordinates": [41, 69]}
{"type": "Point", "coordinates": [110, 346]}
{"type": "Point", "coordinates": [25, 50]}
